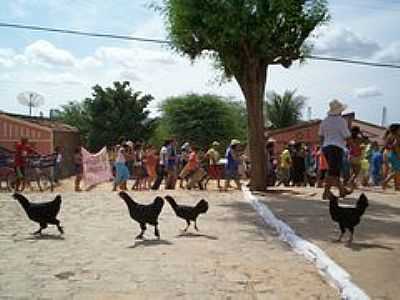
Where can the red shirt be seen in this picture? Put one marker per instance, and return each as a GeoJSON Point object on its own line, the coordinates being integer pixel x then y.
{"type": "Point", "coordinates": [193, 162]}
{"type": "Point", "coordinates": [21, 152]}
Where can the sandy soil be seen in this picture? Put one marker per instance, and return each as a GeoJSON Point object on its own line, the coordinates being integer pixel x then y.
{"type": "Point", "coordinates": [233, 257]}
{"type": "Point", "coordinates": [374, 258]}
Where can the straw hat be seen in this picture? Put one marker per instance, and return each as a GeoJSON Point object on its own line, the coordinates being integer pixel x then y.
{"type": "Point", "coordinates": [235, 142]}
{"type": "Point", "coordinates": [336, 107]}
{"type": "Point", "coordinates": [185, 146]}
{"type": "Point", "coordinates": [215, 144]}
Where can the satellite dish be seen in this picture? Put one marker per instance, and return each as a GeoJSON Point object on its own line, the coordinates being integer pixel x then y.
{"type": "Point", "coordinates": [31, 100]}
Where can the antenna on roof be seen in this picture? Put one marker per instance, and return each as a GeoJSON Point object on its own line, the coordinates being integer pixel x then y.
{"type": "Point", "coordinates": [31, 100]}
{"type": "Point", "coordinates": [384, 117]}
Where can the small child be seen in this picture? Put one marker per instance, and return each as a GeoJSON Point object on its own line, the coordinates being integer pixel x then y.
{"type": "Point", "coordinates": [364, 172]}
{"type": "Point", "coordinates": [78, 169]}
{"type": "Point", "coordinates": [376, 167]}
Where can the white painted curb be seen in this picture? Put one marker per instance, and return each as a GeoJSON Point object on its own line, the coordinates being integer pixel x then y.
{"type": "Point", "coordinates": [334, 274]}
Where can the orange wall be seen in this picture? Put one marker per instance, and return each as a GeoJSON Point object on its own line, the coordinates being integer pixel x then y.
{"type": "Point", "coordinates": [305, 135]}
{"type": "Point", "coordinates": [11, 132]}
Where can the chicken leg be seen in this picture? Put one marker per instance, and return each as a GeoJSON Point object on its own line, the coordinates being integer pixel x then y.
{"type": "Point", "coordinates": [342, 232]}
{"type": "Point", "coordinates": [59, 227]}
{"type": "Point", "coordinates": [39, 231]}
{"type": "Point", "coordinates": [187, 227]}
{"type": "Point", "coordinates": [140, 235]}
{"type": "Point", "coordinates": [349, 242]}
{"type": "Point", "coordinates": [156, 231]}
{"type": "Point", "coordinates": [195, 225]}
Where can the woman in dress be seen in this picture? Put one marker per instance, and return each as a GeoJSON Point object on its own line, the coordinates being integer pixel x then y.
{"type": "Point", "coordinates": [121, 170]}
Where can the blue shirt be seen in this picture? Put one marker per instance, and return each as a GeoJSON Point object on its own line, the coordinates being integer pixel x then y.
{"type": "Point", "coordinates": [231, 163]}
{"type": "Point", "coordinates": [377, 161]}
{"type": "Point", "coordinates": [394, 161]}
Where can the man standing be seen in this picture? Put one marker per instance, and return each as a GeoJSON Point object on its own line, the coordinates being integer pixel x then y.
{"type": "Point", "coordinates": [22, 150]}
{"type": "Point", "coordinates": [334, 132]}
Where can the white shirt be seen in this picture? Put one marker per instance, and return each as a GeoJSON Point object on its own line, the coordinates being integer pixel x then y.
{"type": "Point", "coordinates": [120, 156]}
{"type": "Point", "coordinates": [335, 131]}
{"type": "Point", "coordinates": [163, 155]}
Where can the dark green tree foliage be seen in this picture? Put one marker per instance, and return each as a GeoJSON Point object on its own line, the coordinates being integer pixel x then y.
{"type": "Point", "coordinates": [245, 37]}
{"type": "Point", "coordinates": [202, 119]}
{"type": "Point", "coordinates": [284, 111]}
{"type": "Point", "coordinates": [111, 113]}
{"type": "Point", "coordinates": [74, 114]}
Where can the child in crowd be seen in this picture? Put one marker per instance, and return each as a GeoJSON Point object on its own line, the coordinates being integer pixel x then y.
{"type": "Point", "coordinates": [376, 167]}
{"type": "Point", "coordinates": [122, 171]}
{"type": "Point", "coordinates": [285, 166]}
{"type": "Point", "coordinates": [355, 153]}
{"type": "Point", "coordinates": [78, 166]}
{"type": "Point", "coordinates": [139, 170]}
{"type": "Point", "coordinates": [151, 164]}
{"type": "Point", "coordinates": [365, 167]}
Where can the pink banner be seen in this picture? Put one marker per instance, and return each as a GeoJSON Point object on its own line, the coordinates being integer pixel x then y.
{"type": "Point", "coordinates": [96, 167]}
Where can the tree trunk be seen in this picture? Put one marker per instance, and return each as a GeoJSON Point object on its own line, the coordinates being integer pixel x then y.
{"type": "Point", "coordinates": [252, 83]}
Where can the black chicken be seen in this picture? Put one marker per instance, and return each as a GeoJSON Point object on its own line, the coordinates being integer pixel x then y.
{"type": "Point", "coordinates": [43, 213]}
{"type": "Point", "coordinates": [144, 214]}
{"type": "Point", "coordinates": [188, 213]}
{"type": "Point", "coordinates": [347, 217]}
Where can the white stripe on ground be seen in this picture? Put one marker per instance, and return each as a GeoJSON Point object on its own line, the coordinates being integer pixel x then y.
{"type": "Point", "coordinates": [334, 274]}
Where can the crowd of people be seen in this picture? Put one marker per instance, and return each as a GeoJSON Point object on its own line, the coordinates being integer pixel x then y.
{"type": "Point", "coordinates": [187, 166]}
{"type": "Point", "coordinates": [344, 159]}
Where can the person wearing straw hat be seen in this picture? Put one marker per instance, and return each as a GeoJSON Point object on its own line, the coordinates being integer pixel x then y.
{"type": "Point", "coordinates": [232, 165]}
{"type": "Point", "coordinates": [334, 132]}
{"type": "Point", "coordinates": [213, 158]}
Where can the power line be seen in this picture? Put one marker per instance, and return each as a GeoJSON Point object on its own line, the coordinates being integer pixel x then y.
{"type": "Point", "coordinates": [83, 33]}
{"type": "Point", "coordinates": [352, 61]}
{"type": "Point", "coordinates": [159, 41]}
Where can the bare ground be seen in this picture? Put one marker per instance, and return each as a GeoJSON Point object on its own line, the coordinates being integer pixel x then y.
{"type": "Point", "coordinates": [233, 257]}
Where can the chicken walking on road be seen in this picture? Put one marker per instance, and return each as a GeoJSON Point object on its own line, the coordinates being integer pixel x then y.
{"type": "Point", "coordinates": [43, 213]}
{"type": "Point", "coordinates": [347, 217]}
{"type": "Point", "coordinates": [188, 213]}
{"type": "Point", "coordinates": [144, 214]}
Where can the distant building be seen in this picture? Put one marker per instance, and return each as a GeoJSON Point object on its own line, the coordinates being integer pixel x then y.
{"type": "Point", "coordinates": [307, 132]}
{"type": "Point", "coordinates": [44, 136]}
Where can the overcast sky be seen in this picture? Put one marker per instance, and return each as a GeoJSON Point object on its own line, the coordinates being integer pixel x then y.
{"type": "Point", "coordinates": [64, 67]}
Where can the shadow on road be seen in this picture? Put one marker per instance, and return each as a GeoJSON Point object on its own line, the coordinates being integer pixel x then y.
{"type": "Point", "coordinates": [150, 243]}
{"type": "Point", "coordinates": [39, 237]}
{"type": "Point", "coordinates": [196, 235]}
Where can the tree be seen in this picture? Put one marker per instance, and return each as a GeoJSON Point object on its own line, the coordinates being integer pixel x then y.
{"type": "Point", "coordinates": [245, 37]}
{"type": "Point", "coordinates": [202, 119]}
{"type": "Point", "coordinates": [111, 113]}
{"type": "Point", "coordinates": [284, 111]}
{"type": "Point", "coordinates": [74, 114]}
